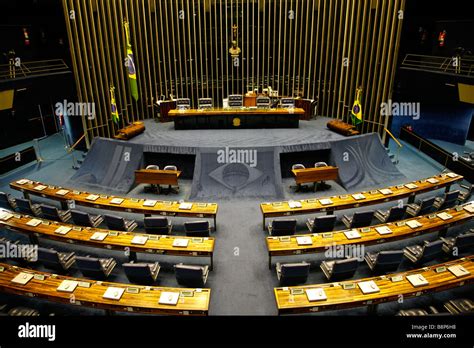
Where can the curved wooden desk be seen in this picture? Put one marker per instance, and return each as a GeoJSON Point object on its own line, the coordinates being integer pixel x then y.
{"type": "Point", "coordinates": [129, 205]}
{"type": "Point", "coordinates": [288, 245]}
{"type": "Point", "coordinates": [115, 240]}
{"type": "Point", "coordinates": [308, 206]}
{"type": "Point", "coordinates": [136, 298]}
{"type": "Point", "coordinates": [347, 294]}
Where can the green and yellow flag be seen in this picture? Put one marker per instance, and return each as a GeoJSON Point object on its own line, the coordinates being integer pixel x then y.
{"type": "Point", "coordinates": [113, 105]}
{"type": "Point", "coordinates": [130, 64]}
{"type": "Point", "coordinates": [356, 112]}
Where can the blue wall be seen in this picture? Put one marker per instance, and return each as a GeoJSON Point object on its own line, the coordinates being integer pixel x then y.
{"type": "Point", "coordinates": [443, 122]}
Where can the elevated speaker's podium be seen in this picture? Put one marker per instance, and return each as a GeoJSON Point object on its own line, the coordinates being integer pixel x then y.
{"type": "Point", "coordinates": [235, 118]}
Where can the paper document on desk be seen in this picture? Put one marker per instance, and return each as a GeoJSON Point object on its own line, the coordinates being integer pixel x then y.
{"type": "Point", "coordinates": [459, 271]}
{"type": "Point", "coordinates": [22, 181]}
{"type": "Point", "coordinates": [62, 192]}
{"type": "Point", "coordinates": [67, 286]}
{"type": "Point", "coordinates": [469, 208]}
{"type": "Point", "coordinates": [170, 298]}
{"type": "Point", "coordinates": [185, 206]}
{"type": "Point", "coordinates": [411, 186]}
{"type": "Point", "coordinates": [116, 201]}
{"type": "Point", "coordinates": [383, 230]}
{"type": "Point", "coordinates": [40, 187]}
{"type": "Point", "coordinates": [432, 180]}
{"type": "Point", "coordinates": [180, 242]}
{"type": "Point", "coordinates": [413, 224]}
{"type": "Point", "coordinates": [358, 196]}
{"type": "Point", "coordinates": [4, 215]}
{"type": "Point", "coordinates": [22, 278]}
{"type": "Point", "coordinates": [325, 201]}
{"type": "Point", "coordinates": [317, 294]}
{"type": "Point", "coordinates": [417, 280]}
{"type": "Point", "coordinates": [113, 293]}
{"type": "Point", "coordinates": [368, 287]}
{"type": "Point", "coordinates": [92, 197]}
{"type": "Point", "coordinates": [304, 240]}
{"type": "Point", "coordinates": [99, 236]}
{"type": "Point", "coordinates": [33, 222]}
{"type": "Point", "coordinates": [62, 230]}
{"type": "Point", "coordinates": [149, 203]}
{"type": "Point", "coordinates": [139, 240]}
{"type": "Point", "coordinates": [386, 191]}
{"type": "Point", "coordinates": [294, 204]}
{"type": "Point", "coordinates": [352, 234]}
{"type": "Point", "coordinates": [444, 216]}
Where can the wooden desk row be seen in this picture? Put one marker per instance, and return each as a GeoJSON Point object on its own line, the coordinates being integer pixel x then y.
{"type": "Point", "coordinates": [89, 293]}
{"type": "Point", "coordinates": [100, 201]}
{"type": "Point", "coordinates": [308, 206]}
{"type": "Point", "coordinates": [348, 294]}
{"type": "Point", "coordinates": [320, 242]}
{"type": "Point", "coordinates": [114, 240]}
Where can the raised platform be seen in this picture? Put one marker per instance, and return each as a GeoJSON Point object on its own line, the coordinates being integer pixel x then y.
{"type": "Point", "coordinates": [237, 163]}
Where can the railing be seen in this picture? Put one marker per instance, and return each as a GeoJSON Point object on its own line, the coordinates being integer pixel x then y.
{"type": "Point", "coordinates": [399, 145]}
{"type": "Point", "coordinates": [451, 161]}
{"type": "Point", "coordinates": [457, 65]}
{"type": "Point", "coordinates": [31, 69]}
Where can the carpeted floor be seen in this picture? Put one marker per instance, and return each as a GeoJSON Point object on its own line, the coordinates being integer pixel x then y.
{"type": "Point", "coordinates": [241, 282]}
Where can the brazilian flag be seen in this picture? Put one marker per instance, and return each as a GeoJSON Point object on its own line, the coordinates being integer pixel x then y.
{"type": "Point", "coordinates": [130, 63]}
{"type": "Point", "coordinates": [113, 106]}
{"type": "Point", "coordinates": [356, 112]}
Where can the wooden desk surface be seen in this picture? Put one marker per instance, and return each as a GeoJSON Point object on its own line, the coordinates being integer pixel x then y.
{"type": "Point", "coordinates": [339, 298]}
{"type": "Point", "coordinates": [236, 111]}
{"type": "Point", "coordinates": [348, 201]}
{"type": "Point", "coordinates": [159, 177]}
{"type": "Point", "coordinates": [315, 174]}
{"type": "Point", "coordinates": [288, 245]}
{"type": "Point", "coordinates": [116, 240]}
{"type": "Point", "coordinates": [131, 205]}
{"type": "Point", "coordinates": [145, 301]}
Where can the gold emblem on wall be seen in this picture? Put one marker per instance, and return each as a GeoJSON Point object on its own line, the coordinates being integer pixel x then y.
{"type": "Point", "coordinates": [236, 122]}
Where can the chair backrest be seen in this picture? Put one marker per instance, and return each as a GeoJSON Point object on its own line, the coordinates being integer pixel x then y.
{"type": "Point", "coordinates": [115, 222]}
{"type": "Point", "coordinates": [139, 272]}
{"type": "Point", "coordinates": [48, 257]}
{"type": "Point", "coordinates": [295, 270]}
{"type": "Point", "coordinates": [80, 218]}
{"type": "Point", "coordinates": [431, 250]}
{"type": "Point", "coordinates": [298, 166]}
{"type": "Point", "coordinates": [361, 219]}
{"type": "Point", "coordinates": [153, 167]}
{"type": "Point", "coordinates": [156, 225]}
{"type": "Point", "coordinates": [196, 226]}
{"type": "Point", "coordinates": [426, 205]}
{"type": "Point", "coordinates": [49, 211]}
{"type": "Point", "coordinates": [286, 226]}
{"type": "Point", "coordinates": [4, 202]}
{"type": "Point", "coordinates": [464, 241]}
{"type": "Point", "coordinates": [189, 275]}
{"type": "Point", "coordinates": [389, 257]}
{"type": "Point", "coordinates": [345, 267]}
{"type": "Point", "coordinates": [396, 213]}
{"type": "Point", "coordinates": [156, 222]}
{"type": "Point", "coordinates": [89, 266]}
{"type": "Point", "coordinates": [170, 167]}
{"type": "Point", "coordinates": [450, 198]}
{"type": "Point", "coordinates": [320, 164]}
{"type": "Point", "coordinates": [24, 205]}
{"type": "Point", "coordinates": [324, 223]}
